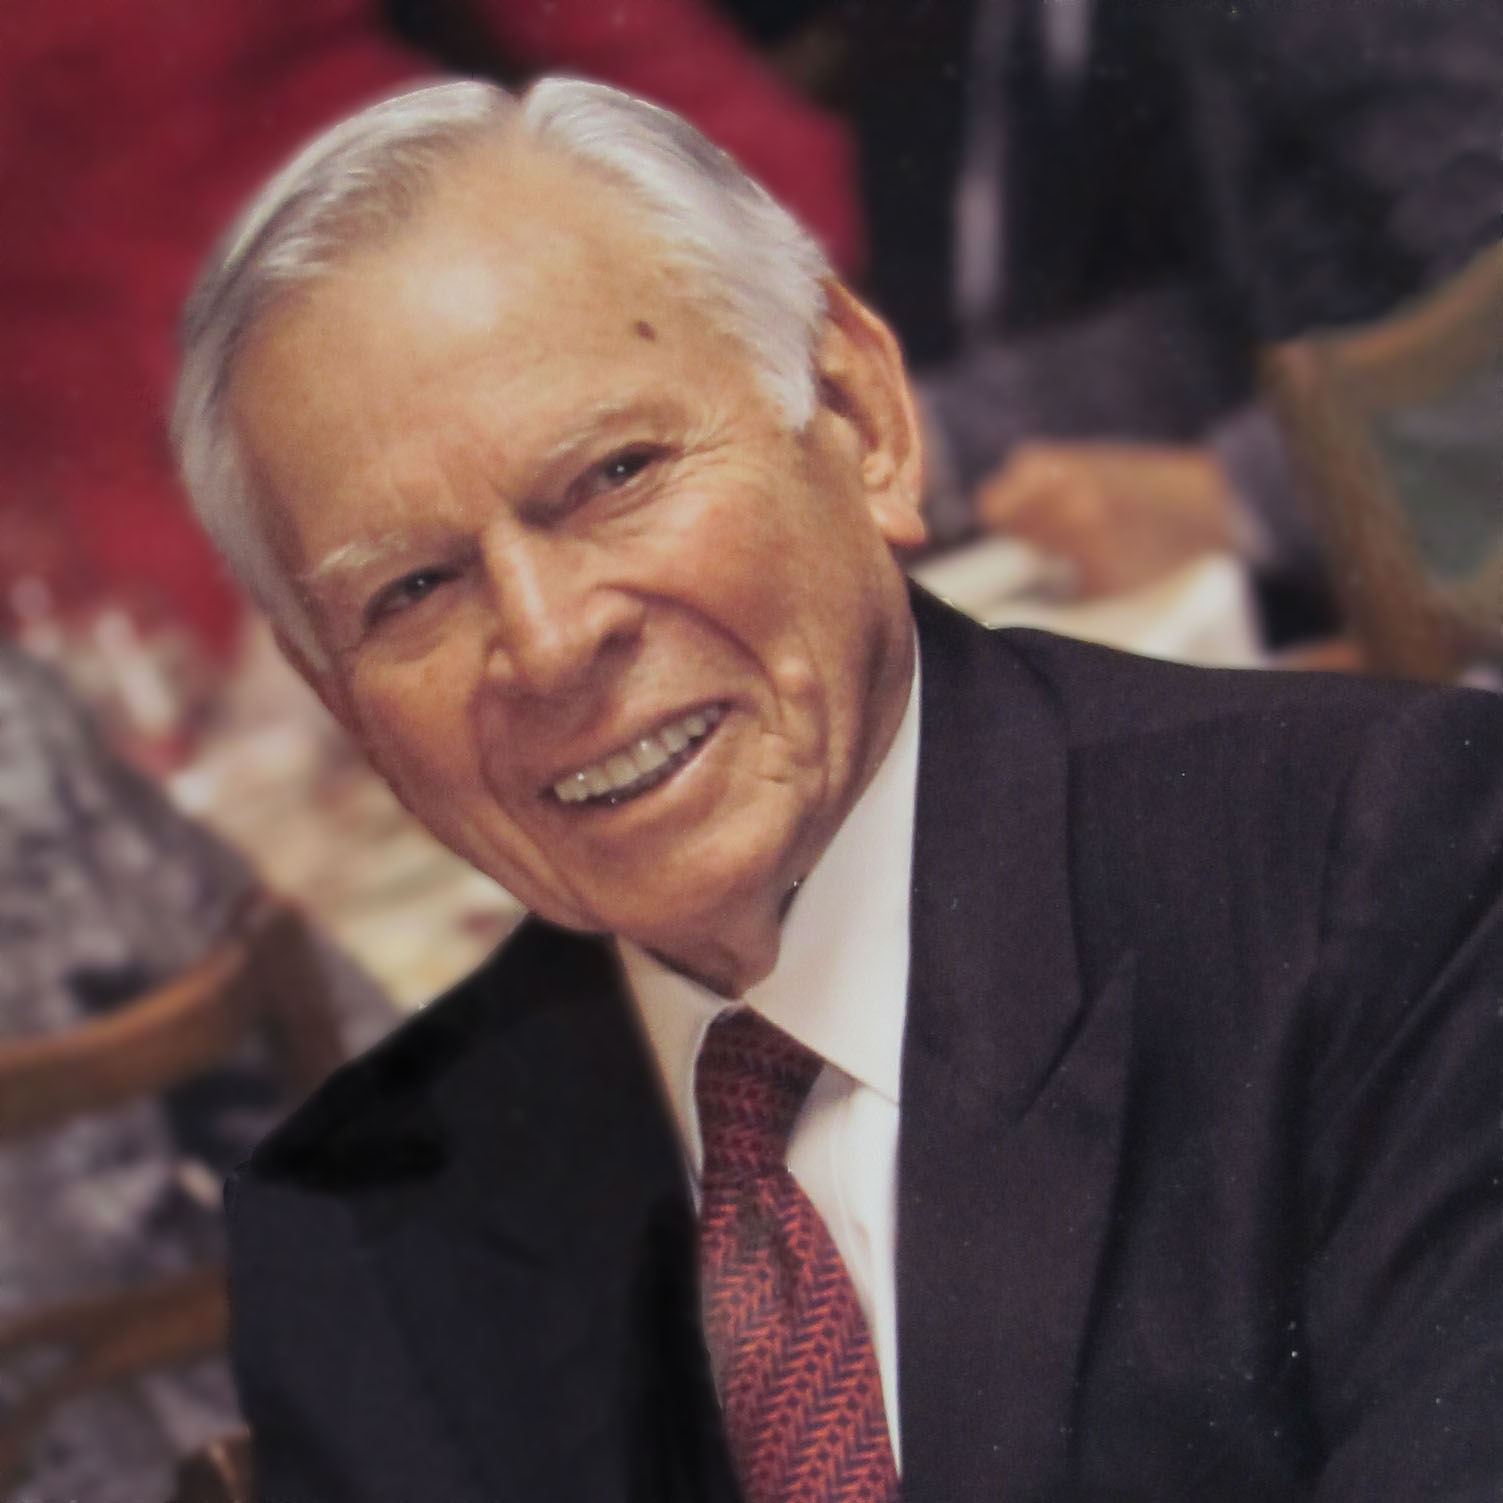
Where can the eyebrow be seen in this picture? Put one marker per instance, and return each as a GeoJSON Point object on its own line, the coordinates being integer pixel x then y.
{"type": "Point", "coordinates": [351, 558]}
{"type": "Point", "coordinates": [595, 420]}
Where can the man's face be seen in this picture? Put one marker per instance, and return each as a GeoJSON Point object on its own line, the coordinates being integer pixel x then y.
{"type": "Point", "coordinates": [611, 632]}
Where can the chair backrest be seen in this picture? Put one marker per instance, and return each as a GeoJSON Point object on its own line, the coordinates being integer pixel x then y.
{"type": "Point", "coordinates": [262, 977]}
{"type": "Point", "coordinates": [1330, 392]}
{"type": "Point", "coordinates": [262, 974]}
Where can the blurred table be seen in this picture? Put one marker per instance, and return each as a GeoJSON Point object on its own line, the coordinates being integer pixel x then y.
{"type": "Point", "coordinates": [1203, 613]}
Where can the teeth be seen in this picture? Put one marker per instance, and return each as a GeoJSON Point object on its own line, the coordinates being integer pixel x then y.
{"type": "Point", "coordinates": [650, 754]}
{"type": "Point", "coordinates": [621, 770]}
{"type": "Point", "coordinates": [572, 789]}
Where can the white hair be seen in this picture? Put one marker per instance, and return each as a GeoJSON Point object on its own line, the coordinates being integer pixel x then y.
{"type": "Point", "coordinates": [756, 272]}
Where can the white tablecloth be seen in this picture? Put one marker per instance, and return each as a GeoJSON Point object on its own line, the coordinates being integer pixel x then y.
{"type": "Point", "coordinates": [1203, 613]}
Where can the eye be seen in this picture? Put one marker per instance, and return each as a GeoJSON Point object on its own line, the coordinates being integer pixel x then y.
{"type": "Point", "coordinates": [404, 593]}
{"type": "Point", "coordinates": [627, 465]}
{"type": "Point", "coordinates": [617, 470]}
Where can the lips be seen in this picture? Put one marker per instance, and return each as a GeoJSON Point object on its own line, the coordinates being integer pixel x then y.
{"type": "Point", "coordinates": [644, 763]}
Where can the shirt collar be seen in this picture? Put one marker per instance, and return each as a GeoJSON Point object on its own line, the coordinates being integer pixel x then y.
{"type": "Point", "coordinates": [840, 983]}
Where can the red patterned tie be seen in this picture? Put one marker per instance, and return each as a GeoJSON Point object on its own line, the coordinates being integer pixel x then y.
{"type": "Point", "coordinates": [798, 1379]}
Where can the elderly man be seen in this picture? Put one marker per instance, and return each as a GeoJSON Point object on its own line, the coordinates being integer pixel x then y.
{"type": "Point", "coordinates": [1083, 1073]}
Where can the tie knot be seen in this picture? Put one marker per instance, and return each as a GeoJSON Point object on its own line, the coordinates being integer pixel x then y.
{"type": "Point", "coordinates": [749, 1084]}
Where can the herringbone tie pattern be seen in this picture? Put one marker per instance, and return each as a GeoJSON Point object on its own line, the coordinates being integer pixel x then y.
{"type": "Point", "coordinates": [798, 1379]}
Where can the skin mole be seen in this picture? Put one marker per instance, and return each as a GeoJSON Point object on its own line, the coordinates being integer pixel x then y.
{"type": "Point", "coordinates": [645, 330]}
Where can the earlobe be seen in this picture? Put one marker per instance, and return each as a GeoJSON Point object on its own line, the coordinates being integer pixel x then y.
{"type": "Point", "coordinates": [863, 384]}
{"type": "Point", "coordinates": [901, 522]}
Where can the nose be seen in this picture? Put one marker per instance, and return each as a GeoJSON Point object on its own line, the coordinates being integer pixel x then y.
{"type": "Point", "coordinates": [558, 624]}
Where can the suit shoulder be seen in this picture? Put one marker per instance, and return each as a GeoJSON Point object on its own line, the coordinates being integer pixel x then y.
{"type": "Point", "coordinates": [1118, 714]}
{"type": "Point", "coordinates": [1104, 695]}
{"type": "Point", "coordinates": [373, 1121]}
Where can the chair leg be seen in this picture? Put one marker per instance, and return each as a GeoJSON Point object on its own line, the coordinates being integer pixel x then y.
{"type": "Point", "coordinates": [221, 1473]}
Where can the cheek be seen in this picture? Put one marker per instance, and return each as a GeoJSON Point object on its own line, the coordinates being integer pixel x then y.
{"type": "Point", "coordinates": [416, 729]}
{"type": "Point", "coordinates": [759, 563]}
{"type": "Point", "coordinates": [426, 749]}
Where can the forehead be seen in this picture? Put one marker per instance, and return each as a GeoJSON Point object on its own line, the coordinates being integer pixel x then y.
{"type": "Point", "coordinates": [516, 250]}
{"type": "Point", "coordinates": [526, 293]}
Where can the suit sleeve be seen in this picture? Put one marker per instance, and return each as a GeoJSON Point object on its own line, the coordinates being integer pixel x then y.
{"type": "Point", "coordinates": [337, 1413]}
{"type": "Point", "coordinates": [1403, 1133]}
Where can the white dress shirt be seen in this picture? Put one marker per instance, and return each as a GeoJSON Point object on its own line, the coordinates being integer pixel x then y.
{"type": "Point", "coordinates": [840, 987]}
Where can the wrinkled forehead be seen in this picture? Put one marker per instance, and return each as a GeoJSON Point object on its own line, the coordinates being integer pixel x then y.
{"type": "Point", "coordinates": [504, 226]}
{"type": "Point", "coordinates": [514, 248]}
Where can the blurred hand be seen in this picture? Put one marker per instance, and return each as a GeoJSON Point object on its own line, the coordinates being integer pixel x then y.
{"type": "Point", "coordinates": [1123, 514]}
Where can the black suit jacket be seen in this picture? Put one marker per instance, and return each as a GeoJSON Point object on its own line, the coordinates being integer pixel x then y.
{"type": "Point", "coordinates": [1199, 1149]}
{"type": "Point", "coordinates": [1277, 164]}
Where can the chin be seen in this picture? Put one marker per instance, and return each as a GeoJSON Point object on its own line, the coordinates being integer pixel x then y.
{"type": "Point", "coordinates": [738, 914]}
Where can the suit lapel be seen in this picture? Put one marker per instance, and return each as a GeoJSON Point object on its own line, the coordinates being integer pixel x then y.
{"type": "Point", "coordinates": [1012, 1088]}
{"type": "Point", "coordinates": [547, 1285]}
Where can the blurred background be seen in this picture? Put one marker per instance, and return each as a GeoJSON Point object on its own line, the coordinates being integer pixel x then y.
{"type": "Point", "coordinates": [1204, 304]}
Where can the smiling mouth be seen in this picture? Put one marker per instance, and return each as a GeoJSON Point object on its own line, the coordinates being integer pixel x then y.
{"type": "Point", "coordinates": [646, 762]}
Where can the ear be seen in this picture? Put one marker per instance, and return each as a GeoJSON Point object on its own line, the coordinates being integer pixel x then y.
{"type": "Point", "coordinates": [324, 682]}
{"type": "Point", "coordinates": [862, 385]}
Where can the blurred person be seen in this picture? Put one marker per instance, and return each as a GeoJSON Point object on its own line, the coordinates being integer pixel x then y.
{"type": "Point", "coordinates": [969, 1057]}
{"type": "Point", "coordinates": [127, 135]}
{"type": "Point", "coordinates": [105, 892]}
{"type": "Point", "coordinates": [1086, 215]}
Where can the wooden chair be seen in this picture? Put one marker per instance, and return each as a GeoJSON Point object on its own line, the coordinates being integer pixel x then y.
{"type": "Point", "coordinates": [220, 1473]}
{"type": "Point", "coordinates": [1328, 391]}
{"type": "Point", "coordinates": [263, 977]}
